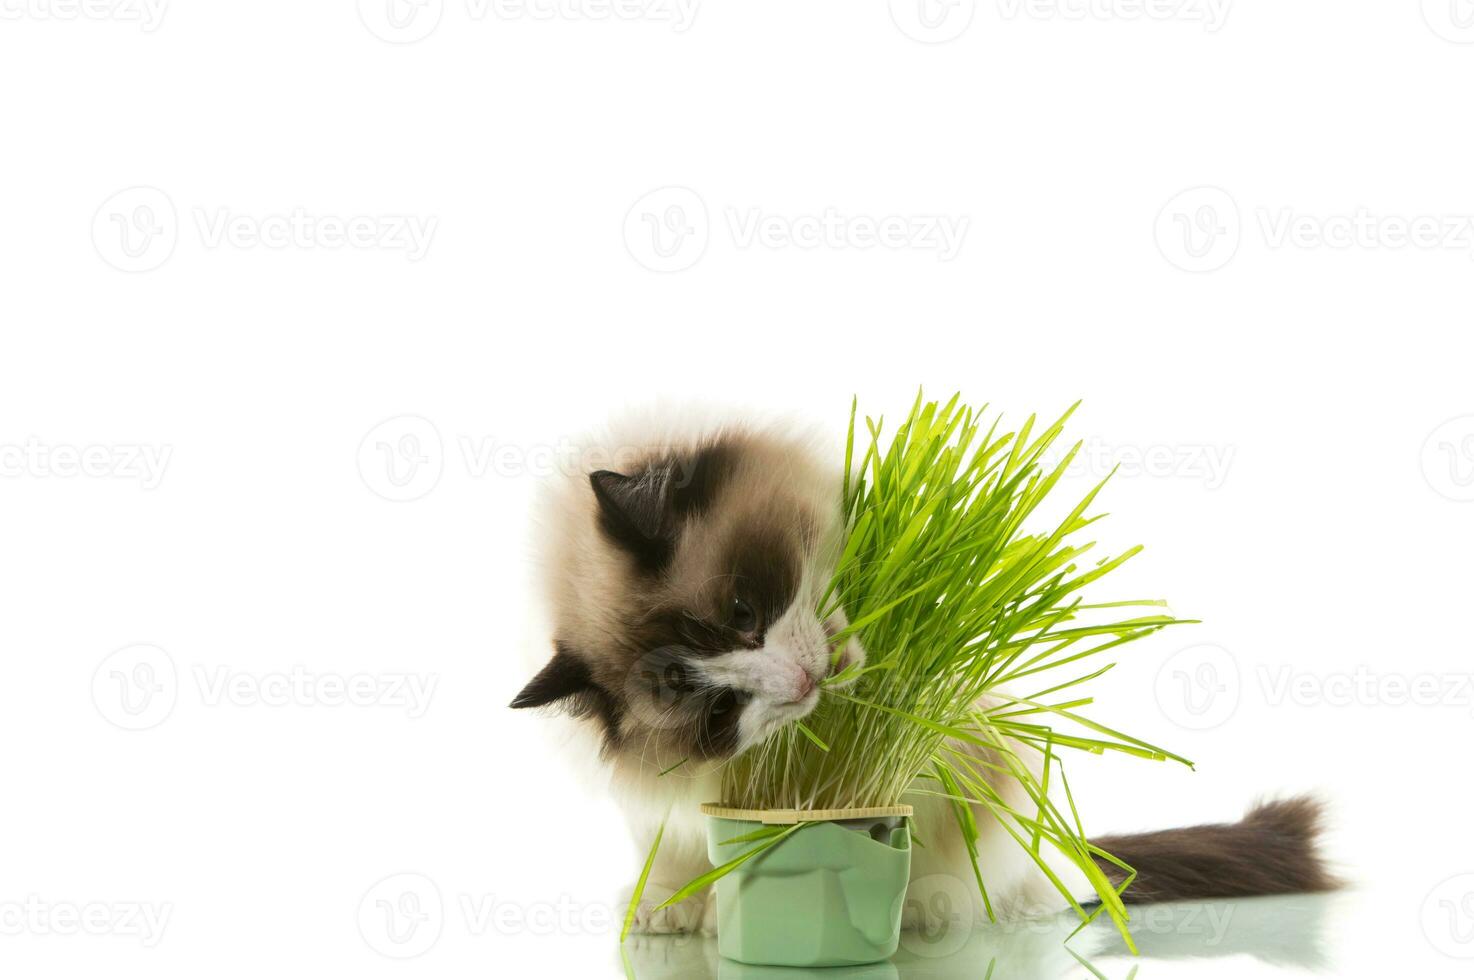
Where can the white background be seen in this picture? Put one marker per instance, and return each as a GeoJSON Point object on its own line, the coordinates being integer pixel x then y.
{"type": "Point", "coordinates": [1300, 315]}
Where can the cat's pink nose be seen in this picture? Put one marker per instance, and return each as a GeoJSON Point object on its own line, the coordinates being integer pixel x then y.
{"type": "Point", "coordinates": [805, 685]}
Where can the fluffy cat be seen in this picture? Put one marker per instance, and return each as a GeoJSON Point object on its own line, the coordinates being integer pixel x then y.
{"type": "Point", "coordinates": [682, 570]}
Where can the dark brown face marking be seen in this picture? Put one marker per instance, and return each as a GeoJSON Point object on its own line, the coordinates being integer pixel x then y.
{"type": "Point", "coordinates": [716, 735]}
{"type": "Point", "coordinates": [716, 544]}
{"type": "Point", "coordinates": [765, 573]}
{"type": "Point", "coordinates": [662, 688]}
{"type": "Point", "coordinates": [643, 512]}
{"type": "Point", "coordinates": [758, 564]}
{"type": "Point", "coordinates": [748, 586]}
{"type": "Point", "coordinates": [668, 694]}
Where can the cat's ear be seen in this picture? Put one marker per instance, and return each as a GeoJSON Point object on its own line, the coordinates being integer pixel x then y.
{"type": "Point", "coordinates": [633, 511]}
{"type": "Point", "coordinates": [565, 676]}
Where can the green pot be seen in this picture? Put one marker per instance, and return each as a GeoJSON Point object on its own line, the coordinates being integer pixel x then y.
{"type": "Point", "coordinates": [829, 895]}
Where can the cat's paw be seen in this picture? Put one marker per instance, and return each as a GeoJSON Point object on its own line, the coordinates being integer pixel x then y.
{"type": "Point", "coordinates": [683, 917]}
{"type": "Point", "coordinates": [914, 918]}
{"type": "Point", "coordinates": [709, 917]}
{"type": "Point", "coordinates": [936, 906]}
{"type": "Point", "coordinates": [931, 927]}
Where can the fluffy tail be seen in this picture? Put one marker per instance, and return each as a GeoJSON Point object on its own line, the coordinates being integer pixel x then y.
{"type": "Point", "coordinates": [1272, 851]}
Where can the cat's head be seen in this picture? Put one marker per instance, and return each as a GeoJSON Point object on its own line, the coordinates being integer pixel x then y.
{"type": "Point", "coordinates": [686, 619]}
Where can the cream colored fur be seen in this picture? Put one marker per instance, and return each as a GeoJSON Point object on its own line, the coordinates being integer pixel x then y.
{"type": "Point", "coordinates": [583, 588]}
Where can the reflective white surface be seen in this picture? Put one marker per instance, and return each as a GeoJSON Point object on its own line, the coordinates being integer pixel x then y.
{"type": "Point", "coordinates": [1332, 935]}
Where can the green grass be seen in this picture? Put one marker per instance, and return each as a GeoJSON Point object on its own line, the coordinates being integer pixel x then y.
{"type": "Point", "coordinates": [956, 602]}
